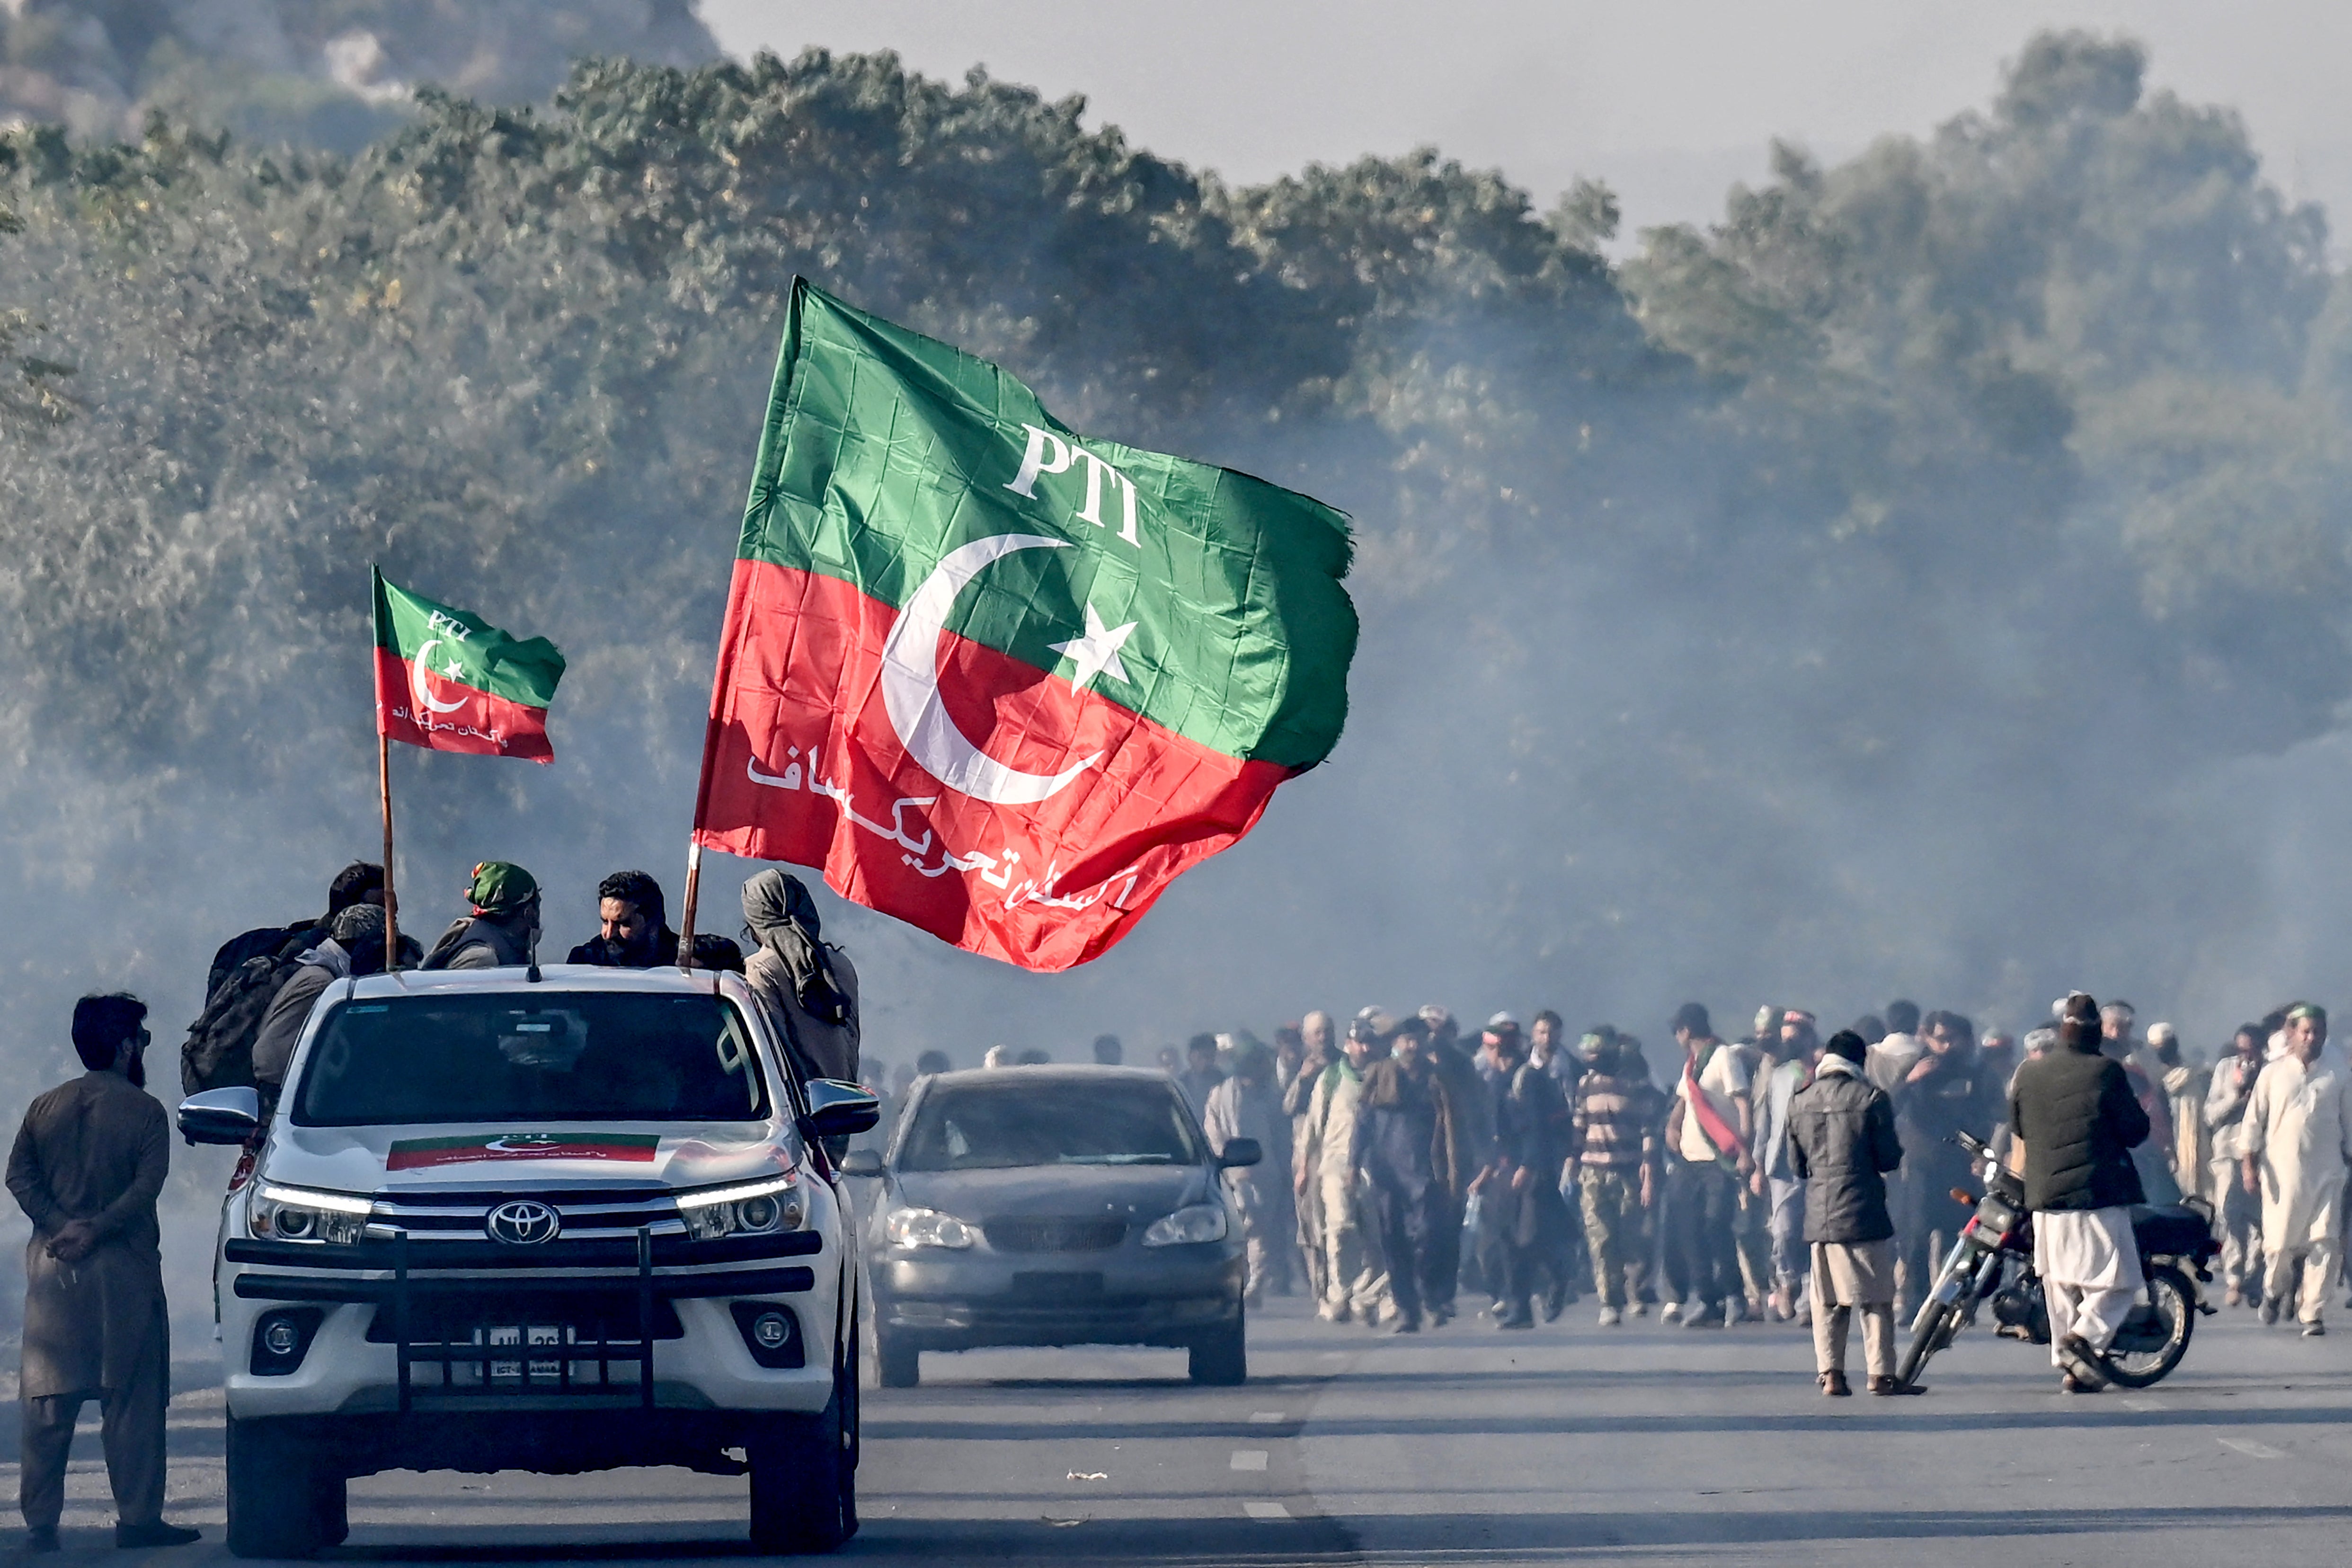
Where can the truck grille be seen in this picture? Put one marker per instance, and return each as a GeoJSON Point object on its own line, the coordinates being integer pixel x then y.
{"type": "Point", "coordinates": [587, 1214]}
{"type": "Point", "coordinates": [1055, 1234]}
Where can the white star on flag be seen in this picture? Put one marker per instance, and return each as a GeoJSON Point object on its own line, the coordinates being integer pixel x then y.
{"type": "Point", "coordinates": [1097, 652]}
{"type": "Point", "coordinates": [455, 672]}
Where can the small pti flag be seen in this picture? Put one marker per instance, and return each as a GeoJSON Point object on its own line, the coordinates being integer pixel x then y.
{"type": "Point", "coordinates": [996, 678]}
{"type": "Point", "coordinates": [449, 681]}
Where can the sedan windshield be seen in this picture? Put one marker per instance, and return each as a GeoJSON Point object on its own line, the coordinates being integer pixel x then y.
{"type": "Point", "coordinates": [1123, 1122]}
{"type": "Point", "coordinates": [583, 1056]}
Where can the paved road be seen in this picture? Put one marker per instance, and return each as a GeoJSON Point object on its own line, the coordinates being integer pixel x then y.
{"type": "Point", "coordinates": [1641, 1445]}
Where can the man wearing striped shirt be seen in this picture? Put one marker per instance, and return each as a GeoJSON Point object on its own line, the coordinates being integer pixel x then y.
{"type": "Point", "coordinates": [1612, 1153]}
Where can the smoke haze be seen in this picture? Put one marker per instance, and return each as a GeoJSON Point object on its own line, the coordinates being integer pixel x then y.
{"type": "Point", "coordinates": [1926, 580]}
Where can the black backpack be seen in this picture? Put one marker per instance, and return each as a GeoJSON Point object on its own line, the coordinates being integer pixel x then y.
{"type": "Point", "coordinates": [219, 1050]}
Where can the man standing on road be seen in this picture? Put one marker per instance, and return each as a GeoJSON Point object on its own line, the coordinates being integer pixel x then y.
{"type": "Point", "coordinates": [2237, 1212]}
{"type": "Point", "coordinates": [2078, 1121]}
{"type": "Point", "coordinates": [1354, 1283]}
{"type": "Point", "coordinates": [1315, 1034]}
{"type": "Point", "coordinates": [1613, 1145]}
{"type": "Point", "coordinates": [1414, 1171]}
{"type": "Point", "coordinates": [1842, 1144]}
{"type": "Point", "coordinates": [1247, 1105]}
{"type": "Point", "coordinates": [89, 1159]}
{"type": "Point", "coordinates": [2297, 1137]}
{"type": "Point", "coordinates": [1200, 1074]}
{"type": "Point", "coordinates": [1707, 1134]}
{"type": "Point", "coordinates": [1520, 1194]}
{"type": "Point", "coordinates": [1776, 1180]}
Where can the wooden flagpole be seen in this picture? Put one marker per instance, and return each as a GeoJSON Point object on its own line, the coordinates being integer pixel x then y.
{"type": "Point", "coordinates": [391, 900]}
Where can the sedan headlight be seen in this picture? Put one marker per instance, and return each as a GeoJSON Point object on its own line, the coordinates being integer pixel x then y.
{"type": "Point", "coordinates": [746, 1208]}
{"type": "Point", "coordinates": [927, 1228]}
{"type": "Point", "coordinates": [299, 1214]}
{"type": "Point", "coordinates": [1199, 1222]}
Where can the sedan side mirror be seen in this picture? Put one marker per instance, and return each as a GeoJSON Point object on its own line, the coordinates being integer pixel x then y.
{"type": "Point", "coordinates": [838, 1109]}
{"type": "Point", "coordinates": [1238, 1153]}
{"type": "Point", "coordinates": [861, 1163]}
{"type": "Point", "coordinates": [220, 1116]}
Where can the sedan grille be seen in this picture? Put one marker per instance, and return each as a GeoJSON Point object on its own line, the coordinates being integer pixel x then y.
{"type": "Point", "coordinates": [1055, 1234]}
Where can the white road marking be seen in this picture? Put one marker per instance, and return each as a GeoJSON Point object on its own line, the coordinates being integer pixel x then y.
{"type": "Point", "coordinates": [2251, 1448]}
{"type": "Point", "coordinates": [2147, 1405]}
{"type": "Point", "coordinates": [1258, 1509]}
{"type": "Point", "coordinates": [1266, 1418]}
{"type": "Point", "coordinates": [1249, 1459]}
{"type": "Point", "coordinates": [1089, 1475]}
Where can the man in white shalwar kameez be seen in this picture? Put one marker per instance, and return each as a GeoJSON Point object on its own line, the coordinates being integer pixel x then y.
{"type": "Point", "coordinates": [2297, 1141]}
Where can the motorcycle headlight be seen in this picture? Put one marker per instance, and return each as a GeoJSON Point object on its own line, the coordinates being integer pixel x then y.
{"type": "Point", "coordinates": [746, 1208]}
{"type": "Point", "coordinates": [1199, 1222]}
{"type": "Point", "coordinates": [298, 1214]}
{"type": "Point", "coordinates": [927, 1228]}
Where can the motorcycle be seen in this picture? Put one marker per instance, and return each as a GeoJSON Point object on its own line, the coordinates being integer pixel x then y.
{"type": "Point", "coordinates": [1992, 1260]}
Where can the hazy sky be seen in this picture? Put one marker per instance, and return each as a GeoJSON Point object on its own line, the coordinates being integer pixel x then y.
{"type": "Point", "coordinates": [1669, 100]}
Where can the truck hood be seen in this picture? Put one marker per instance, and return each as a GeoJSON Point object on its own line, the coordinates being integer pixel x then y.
{"type": "Point", "coordinates": [423, 1158]}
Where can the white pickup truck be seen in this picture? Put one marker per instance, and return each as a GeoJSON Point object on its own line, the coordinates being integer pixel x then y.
{"type": "Point", "coordinates": [556, 1220]}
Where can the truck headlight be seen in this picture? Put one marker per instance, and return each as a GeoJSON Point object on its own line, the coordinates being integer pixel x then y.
{"type": "Point", "coordinates": [745, 1208]}
{"type": "Point", "coordinates": [299, 1214]}
{"type": "Point", "coordinates": [1198, 1222]}
{"type": "Point", "coordinates": [927, 1228]}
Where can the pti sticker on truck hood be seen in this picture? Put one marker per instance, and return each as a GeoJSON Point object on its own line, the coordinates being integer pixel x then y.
{"type": "Point", "coordinates": [624, 1148]}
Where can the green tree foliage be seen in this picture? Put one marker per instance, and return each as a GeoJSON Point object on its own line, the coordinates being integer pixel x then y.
{"type": "Point", "coordinates": [1866, 591]}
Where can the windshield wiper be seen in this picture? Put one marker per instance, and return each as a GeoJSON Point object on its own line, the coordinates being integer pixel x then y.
{"type": "Point", "coordinates": [1118, 1159]}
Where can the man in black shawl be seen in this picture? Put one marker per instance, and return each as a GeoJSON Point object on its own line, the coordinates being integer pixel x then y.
{"type": "Point", "coordinates": [809, 990]}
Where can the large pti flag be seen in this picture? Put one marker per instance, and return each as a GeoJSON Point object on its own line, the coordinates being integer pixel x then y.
{"type": "Point", "coordinates": [450, 681]}
{"type": "Point", "coordinates": [996, 678]}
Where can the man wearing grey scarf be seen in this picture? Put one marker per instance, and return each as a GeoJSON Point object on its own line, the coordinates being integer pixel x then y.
{"type": "Point", "coordinates": [809, 990]}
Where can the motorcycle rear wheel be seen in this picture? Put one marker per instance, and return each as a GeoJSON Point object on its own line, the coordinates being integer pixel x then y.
{"type": "Point", "coordinates": [2175, 1301]}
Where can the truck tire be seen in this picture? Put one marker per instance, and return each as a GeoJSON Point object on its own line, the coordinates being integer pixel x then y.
{"type": "Point", "coordinates": [803, 1479]}
{"type": "Point", "coordinates": [333, 1497]}
{"type": "Point", "coordinates": [273, 1496]}
{"type": "Point", "coordinates": [1221, 1357]}
{"type": "Point", "coordinates": [897, 1364]}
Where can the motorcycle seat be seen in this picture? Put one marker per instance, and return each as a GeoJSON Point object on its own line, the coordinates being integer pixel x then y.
{"type": "Point", "coordinates": [2171, 1230]}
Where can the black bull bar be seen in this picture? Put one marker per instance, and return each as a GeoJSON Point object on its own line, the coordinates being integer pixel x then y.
{"type": "Point", "coordinates": [406, 1292]}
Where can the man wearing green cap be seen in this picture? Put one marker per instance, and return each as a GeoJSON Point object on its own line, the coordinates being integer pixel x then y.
{"type": "Point", "coordinates": [503, 929]}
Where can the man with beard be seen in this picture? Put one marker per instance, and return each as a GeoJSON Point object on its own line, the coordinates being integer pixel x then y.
{"type": "Point", "coordinates": [1413, 1169]}
{"type": "Point", "coordinates": [1707, 1135]}
{"type": "Point", "coordinates": [1355, 1283]}
{"type": "Point", "coordinates": [1612, 1145]}
{"type": "Point", "coordinates": [1894, 1053]}
{"type": "Point", "coordinates": [2076, 1122]}
{"type": "Point", "coordinates": [1943, 1094]}
{"type": "Point", "coordinates": [2297, 1136]}
{"type": "Point", "coordinates": [90, 1157]}
{"type": "Point", "coordinates": [633, 931]}
{"type": "Point", "coordinates": [1247, 1105]}
{"type": "Point", "coordinates": [2237, 1212]}
{"type": "Point", "coordinates": [807, 987]}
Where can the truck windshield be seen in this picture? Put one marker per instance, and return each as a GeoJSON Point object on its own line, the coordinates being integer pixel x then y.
{"type": "Point", "coordinates": [1121, 1123]}
{"type": "Point", "coordinates": [582, 1056]}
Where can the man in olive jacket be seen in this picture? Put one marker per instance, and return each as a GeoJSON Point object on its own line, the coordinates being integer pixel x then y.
{"type": "Point", "coordinates": [2078, 1121]}
{"type": "Point", "coordinates": [1842, 1141]}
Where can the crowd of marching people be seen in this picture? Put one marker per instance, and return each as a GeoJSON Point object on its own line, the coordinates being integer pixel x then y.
{"type": "Point", "coordinates": [1411, 1167]}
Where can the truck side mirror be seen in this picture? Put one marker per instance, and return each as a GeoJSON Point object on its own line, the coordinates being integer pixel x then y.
{"type": "Point", "coordinates": [1239, 1152]}
{"type": "Point", "coordinates": [838, 1109]}
{"type": "Point", "coordinates": [220, 1116]}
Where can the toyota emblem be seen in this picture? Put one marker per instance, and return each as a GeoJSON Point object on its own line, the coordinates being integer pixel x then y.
{"type": "Point", "coordinates": [523, 1223]}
